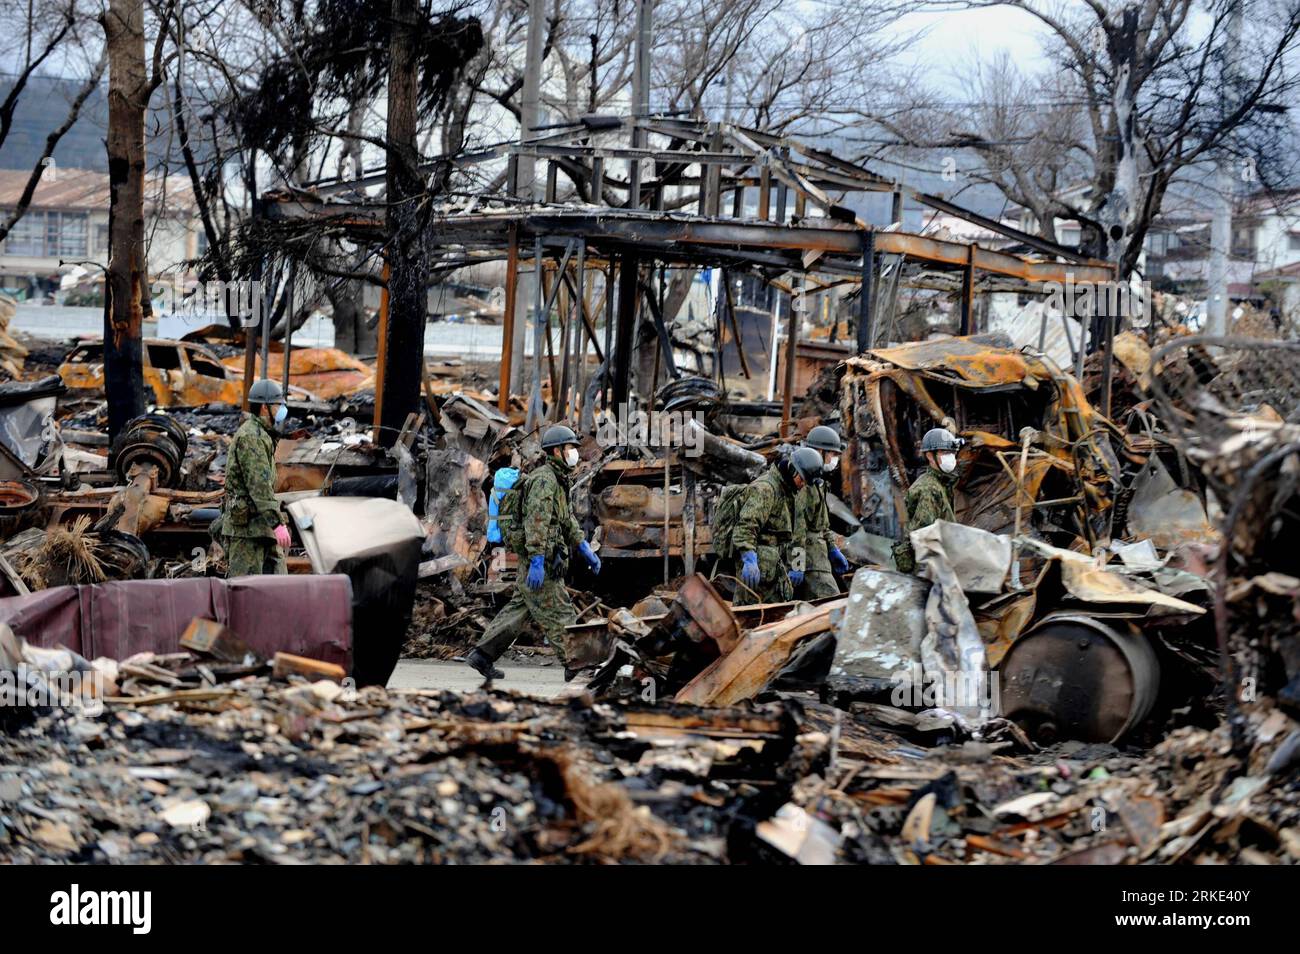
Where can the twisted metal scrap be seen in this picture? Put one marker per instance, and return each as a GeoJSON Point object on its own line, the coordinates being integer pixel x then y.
{"type": "Point", "coordinates": [1234, 405]}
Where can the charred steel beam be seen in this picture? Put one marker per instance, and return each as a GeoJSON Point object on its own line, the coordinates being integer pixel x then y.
{"type": "Point", "coordinates": [968, 291]}
{"type": "Point", "coordinates": [791, 352]}
{"type": "Point", "coordinates": [993, 225]}
{"type": "Point", "coordinates": [661, 329]}
{"type": "Point", "coordinates": [637, 227]}
{"type": "Point", "coordinates": [865, 331]}
{"type": "Point", "coordinates": [682, 156]}
{"type": "Point", "coordinates": [940, 252]}
{"type": "Point", "coordinates": [609, 329]}
{"type": "Point", "coordinates": [628, 288]}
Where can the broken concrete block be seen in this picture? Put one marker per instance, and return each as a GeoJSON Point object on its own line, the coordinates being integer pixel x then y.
{"type": "Point", "coordinates": [879, 636]}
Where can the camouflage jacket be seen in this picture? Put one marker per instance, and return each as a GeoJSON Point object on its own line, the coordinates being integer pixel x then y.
{"type": "Point", "coordinates": [816, 518]}
{"type": "Point", "coordinates": [928, 499]}
{"type": "Point", "coordinates": [549, 525]}
{"type": "Point", "coordinates": [768, 517]}
{"type": "Point", "coordinates": [250, 508]}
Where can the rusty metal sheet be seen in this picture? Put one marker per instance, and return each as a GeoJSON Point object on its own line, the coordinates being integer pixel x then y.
{"type": "Point", "coordinates": [1001, 620]}
{"type": "Point", "coordinates": [979, 365]}
{"type": "Point", "coordinates": [707, 614]}
{"type": "Point", "coordinates": [990, 502]}
{"type": "Point", "coordinates": [303, 615]}
{"type": "Point", "coordinates": [757, 658]}
{"type": "Point", "coordinates": [325, 372]}
{"type": "Point", "coordinates": [635, 503]}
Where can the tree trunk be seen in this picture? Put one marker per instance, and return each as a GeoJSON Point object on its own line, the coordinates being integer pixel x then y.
{"type": "Point", "coordinates": [124, 305]}
{"type": "Point", "coordinates": [407, 247]}
{"type": "Point", "coordinates": [351, 334]}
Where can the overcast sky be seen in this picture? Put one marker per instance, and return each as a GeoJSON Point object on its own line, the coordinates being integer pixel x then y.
{"type": "Point", "coordinates": [952, 40]}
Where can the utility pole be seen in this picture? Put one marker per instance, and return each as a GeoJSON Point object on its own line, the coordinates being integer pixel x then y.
{"type": "Point", "coordinates": [529, 120]}
{"type": "Point", "coordinates": [640, 92]}
{"type": "Point", "coordinates": [128, 92]}
{"type": "Point", "coordinates": [1217, 301]}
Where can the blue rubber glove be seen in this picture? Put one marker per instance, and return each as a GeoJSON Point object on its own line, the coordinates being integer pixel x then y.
{"type": "Point", "coordinates": [593, 561]}
{"type": "Point", "coordinates": [838, 561]}
{"type": "Point", "coordinates": [749, 574]}
{"type": "Point", "coordinates": [536, 572]}
{"type": "Point", "coordinates": [796, 577]}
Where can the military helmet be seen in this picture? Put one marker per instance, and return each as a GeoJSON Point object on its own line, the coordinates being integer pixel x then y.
{"type": "Point", "coordinates": [807, 463]}
{"type": "Point", "coordinates": [824, 438]}
{"type": "Point", "coordinates": [940, 439]}
{"type": "Point", "coordinates": [557, 435]}
{"type": "Point", "coordinates": [265, 391]}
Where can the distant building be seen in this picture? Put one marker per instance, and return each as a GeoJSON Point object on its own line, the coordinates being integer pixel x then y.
{"type": "Point", "coordinates": [1265, 246]}
{"type": "Point", "coordinates": [67, 222]}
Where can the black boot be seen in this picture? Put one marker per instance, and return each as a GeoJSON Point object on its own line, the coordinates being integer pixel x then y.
{"type": "Point", "coordinates": [479, 662]}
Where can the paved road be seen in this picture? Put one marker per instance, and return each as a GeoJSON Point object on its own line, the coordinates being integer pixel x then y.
{"type": "Point", "coordinates": [545, 681]}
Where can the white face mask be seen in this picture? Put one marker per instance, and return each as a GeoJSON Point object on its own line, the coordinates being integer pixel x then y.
{"type": "Point", "coordinates": [571, 456]}
{"type": "Point", "coordinates": [832, 464]}
{"type": "Point", "coordinates": [947, 463]}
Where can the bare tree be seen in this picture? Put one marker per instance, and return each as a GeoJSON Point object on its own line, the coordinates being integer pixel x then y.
{"type": "Point", "coordinates": [1136, 94]}
{"type": "Point", "coordinates": [39, 36]}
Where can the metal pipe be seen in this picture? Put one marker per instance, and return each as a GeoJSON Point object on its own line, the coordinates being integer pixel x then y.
{"type": "Point", "coordinates": [267, 307]}
{"type": "Point", "coordinates": [288, 327]}
{"type": "Point", "coordinates": [668, 457]}
{"type": "Point", "coordinates": [381, 359]}
{"type": "Point", "coordinates": [508, 320]}
{"type": "Point", "coordinates": [535, 409]}
{"type": "Point", "coordinates": [791, 349]}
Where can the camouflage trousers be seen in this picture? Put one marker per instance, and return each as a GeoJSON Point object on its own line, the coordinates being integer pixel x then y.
{"type": "Point", "coordinates": [817, 584]}
{"type": "Point", "coordinates": [774, 580]}
{"type": "Point", "coordinates": [549, 608]}
{"type": "Point", "coordinates": [818, 579]}
{"type": "Point", "coordinates": [252, 556]}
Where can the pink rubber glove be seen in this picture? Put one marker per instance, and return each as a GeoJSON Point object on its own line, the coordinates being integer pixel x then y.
{"type": "Point", "coordinates": [282, 536]}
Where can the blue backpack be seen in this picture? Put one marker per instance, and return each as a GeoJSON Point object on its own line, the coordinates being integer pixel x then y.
{"type": "Point", "coordinates": [502, 481]}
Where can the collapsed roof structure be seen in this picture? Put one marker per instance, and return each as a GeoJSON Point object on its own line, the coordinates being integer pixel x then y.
{"type": "Point", "coordinates": [715, 195]}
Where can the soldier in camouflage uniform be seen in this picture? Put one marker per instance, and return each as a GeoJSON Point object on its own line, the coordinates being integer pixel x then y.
{"type": "Point", "coordinates": [930, 496]}
{"type": "Point", "coordinates": [823, 556]}
{"type": "Point", "coordinates": [549, 530]}
{"type": "Point", "coordinates": [769, 534]}
{"type": "Point", "coordinates": [252, 531]}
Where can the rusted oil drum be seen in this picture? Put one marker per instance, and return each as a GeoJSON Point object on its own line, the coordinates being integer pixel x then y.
{"type": "Point", "coordinates": [1075, 677]}
{"type": "Point", "coordinates": [18, 504]}
{"type": "Point", "coordinates": [17, 496]}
